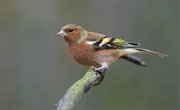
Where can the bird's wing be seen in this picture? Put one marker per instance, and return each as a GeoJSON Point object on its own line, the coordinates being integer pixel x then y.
{"type": "Point", "coordinates": [100, 42]}
{"type": "Point", "coordinates": [94, 36]}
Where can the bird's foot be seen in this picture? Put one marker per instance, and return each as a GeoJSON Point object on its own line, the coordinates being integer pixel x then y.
{"type": "Point", "coordinates": [100, 70]}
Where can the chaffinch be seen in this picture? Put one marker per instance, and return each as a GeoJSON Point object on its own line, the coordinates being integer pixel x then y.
{"type": "Point", "coordinates": [98, 50]}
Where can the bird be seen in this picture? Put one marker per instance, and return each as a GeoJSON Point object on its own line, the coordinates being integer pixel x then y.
{"type": "Point", "coordinates": [98, 50]}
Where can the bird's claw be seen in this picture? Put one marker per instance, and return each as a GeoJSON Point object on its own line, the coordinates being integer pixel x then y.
{"type": "Point", "coordinates": [100, 70]}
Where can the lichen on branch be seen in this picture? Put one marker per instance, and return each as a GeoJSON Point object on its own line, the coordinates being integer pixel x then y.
{"type": "Point", "coordinates": [80, 87]}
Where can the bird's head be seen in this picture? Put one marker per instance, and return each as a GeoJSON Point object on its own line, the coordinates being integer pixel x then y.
{"type": "Point", "coordinates": [72, 33]}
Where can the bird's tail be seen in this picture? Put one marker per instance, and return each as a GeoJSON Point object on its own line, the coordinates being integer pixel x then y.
{"type": "Point", "coordinates": [151, 52]}
{"type": "Point", "coordinates": [141, 50]}
{"type": "Point", "coordinates": [134, 59]}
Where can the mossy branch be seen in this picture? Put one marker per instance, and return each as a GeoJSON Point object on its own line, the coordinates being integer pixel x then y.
{"type": "Point", "coordinates": [82, 86]}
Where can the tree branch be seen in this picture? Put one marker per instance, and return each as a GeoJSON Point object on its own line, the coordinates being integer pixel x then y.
{"type": "Point", "coordinates": [82, 86]}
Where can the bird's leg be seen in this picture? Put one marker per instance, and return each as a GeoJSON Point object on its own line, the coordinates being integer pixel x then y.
{"type": "Point", "coordinates": [101, 72]}
{"type": "Point", "coordinates": [102, 69]}
{"type": "Point", "coordinates": [98, 79]}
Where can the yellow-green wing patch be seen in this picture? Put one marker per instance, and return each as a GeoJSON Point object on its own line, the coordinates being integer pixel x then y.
{"type": "Point", "coordinates": [112, 43]}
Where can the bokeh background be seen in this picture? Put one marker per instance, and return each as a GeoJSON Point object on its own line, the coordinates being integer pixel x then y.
{"type": "Point", "coordinates": [36, 70]}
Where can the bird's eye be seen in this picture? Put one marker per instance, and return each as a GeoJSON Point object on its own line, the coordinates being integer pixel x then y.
{"type": "Point", "coordinates": [69, 30]}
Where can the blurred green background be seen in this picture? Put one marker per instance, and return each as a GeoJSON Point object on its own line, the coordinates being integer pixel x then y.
{"type": "Point", "coordinates": [36, 69]}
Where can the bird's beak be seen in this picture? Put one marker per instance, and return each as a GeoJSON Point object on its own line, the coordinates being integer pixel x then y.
{"type": "Point", "coordinates": [61, 33]}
